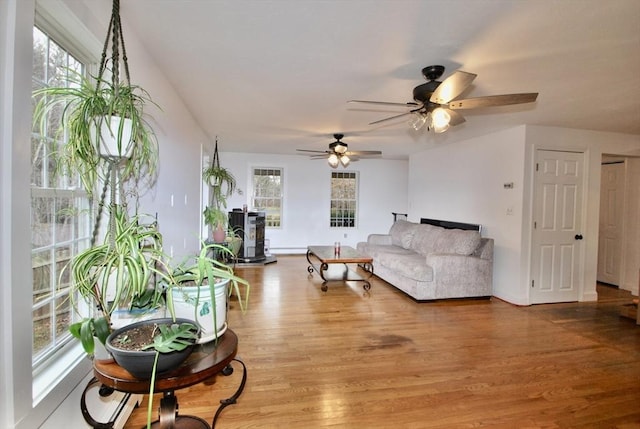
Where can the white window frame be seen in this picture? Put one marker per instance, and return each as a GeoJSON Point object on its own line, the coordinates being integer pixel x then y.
{"type": "Point", "coordinates": [56, 373]}
{"type": "Point", "coordinates": [280, 197]}
{"type": "Point", "coordinates": [340, 204]}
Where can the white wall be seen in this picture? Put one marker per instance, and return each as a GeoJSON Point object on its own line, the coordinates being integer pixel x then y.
{"type": "Point", "coordinates": [594, 145]}
{"type": "Point", "coordinates": [382, 190]}
{"type": "Point", "coordinates": [464, 182]}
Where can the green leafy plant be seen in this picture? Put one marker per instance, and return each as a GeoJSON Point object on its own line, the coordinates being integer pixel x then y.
{"type": "Point", "coordinates": [222, 184]}
{"type": "Point", "coordinates": [215, 217]}
{"type": "Point", "coordinates": [119, 272]}
{"type": "Point", "coordinates": [207, 269]}
{"type": "Point", "coordinates": [83, 107]}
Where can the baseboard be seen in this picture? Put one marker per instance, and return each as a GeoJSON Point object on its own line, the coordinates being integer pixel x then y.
{"type": "Point", "coordinates": [115, 408]}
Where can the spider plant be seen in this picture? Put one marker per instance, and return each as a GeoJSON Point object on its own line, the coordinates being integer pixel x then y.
{"type": "Point", "coordinates": [121, 271]}
{"type": "Point", "coordinates": [84, 108]}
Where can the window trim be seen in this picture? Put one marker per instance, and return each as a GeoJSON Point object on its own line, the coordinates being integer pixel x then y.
{"type": "Point", "coordinates": [356, 177]}
{"type": "Point", "coordinates": [51, 383]}
{"type": "Point", "coordinates": [282, 192]}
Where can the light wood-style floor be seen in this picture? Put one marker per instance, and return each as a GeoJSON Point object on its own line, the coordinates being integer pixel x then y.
{"type": "Point", "coordinates": [341, 359]}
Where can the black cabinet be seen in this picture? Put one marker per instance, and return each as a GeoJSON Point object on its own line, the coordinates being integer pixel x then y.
{"type": "Point", "coordinates": [250, 226]}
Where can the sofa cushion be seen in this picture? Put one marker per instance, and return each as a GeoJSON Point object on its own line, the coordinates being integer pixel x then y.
{"type": "Point", "coordinates": [458, 241]}
{"type": "Point", "coordinates": [401, 233]}
{"type": "Point", "coordinates": [410, 265]}
{"type": "Point", "coordinates": [376, 250]}
{"type": "Point", "coordinates": [425, 237]}
{"type": "Point", "coordinates": [434, 239]}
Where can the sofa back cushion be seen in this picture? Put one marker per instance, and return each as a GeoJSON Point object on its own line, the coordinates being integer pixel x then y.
{"type": "Point", "coordinates": [434, 239]}
{"type": "Point", "coordinates": [401, 233]}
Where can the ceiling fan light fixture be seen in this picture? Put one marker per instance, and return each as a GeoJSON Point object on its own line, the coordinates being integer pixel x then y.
{"type": "Point", "coordinates": [440, 120]}
{"type": "Point", "coordinates": [333, 160]}
{"type": "Point", "coordinates": [418, 120]}
{"type": "Point", "coordinates": [344, 160]}
{"type": "Point", "coordinates": [340, 148]}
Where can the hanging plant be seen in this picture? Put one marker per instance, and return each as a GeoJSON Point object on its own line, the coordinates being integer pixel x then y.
{"type": "Point", "coordinates": [222, 184]}
{"type": "Point", "coordinates": [94, 111]}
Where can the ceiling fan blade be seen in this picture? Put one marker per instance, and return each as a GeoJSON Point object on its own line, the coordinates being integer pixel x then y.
{"type": "Point", "coordinates": [392, 117]}
{"type": "Point", "coordinates": [364, 153]}
{"type": "Point", "coordinates": [494, 100]}
{"type": "Point", "coordinates": [385, 103]}
{"type": "Point", "coordinates": [456, 118]}
{"type": "Point", "coordinates": [452, 86]}
{"type": "Point", "coordinates": [318, 157]}
{"type": "Point", "coordinates": [314, 151]}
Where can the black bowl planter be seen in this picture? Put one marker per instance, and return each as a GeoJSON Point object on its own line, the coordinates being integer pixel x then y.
{"type": "Point", "coordinates": [137, 356]}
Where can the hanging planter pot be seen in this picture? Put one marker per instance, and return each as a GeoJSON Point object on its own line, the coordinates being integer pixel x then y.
{"type": "Point", "coordinates": [195, 303]}
{"type": "Point", "coordinates": [112, 136]}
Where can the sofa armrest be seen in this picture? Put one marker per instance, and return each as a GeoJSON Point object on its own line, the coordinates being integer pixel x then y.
{"type": "Point", "coordinates": [379, 239]}
{"type": "Point", "coordinates": [466, 275]}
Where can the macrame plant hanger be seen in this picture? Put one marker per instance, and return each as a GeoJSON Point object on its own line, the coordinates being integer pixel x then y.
{"type": "Point", "coordinates": [112, 180]}
{"type": "Point", "coordinates": [215, 163]}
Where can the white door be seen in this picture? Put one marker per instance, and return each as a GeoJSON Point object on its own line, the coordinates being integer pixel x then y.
{"type": "Point", "coordinates": [610, 232]}
{"type": "Point", "coordinates": [557, 227]}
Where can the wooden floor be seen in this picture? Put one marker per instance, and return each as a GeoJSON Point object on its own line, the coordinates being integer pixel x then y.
{"type": "Point", "coordinates": [342, 359]}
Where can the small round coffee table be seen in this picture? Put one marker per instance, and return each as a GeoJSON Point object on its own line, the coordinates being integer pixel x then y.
{"type": "Point", "coordinates": [206, 361]}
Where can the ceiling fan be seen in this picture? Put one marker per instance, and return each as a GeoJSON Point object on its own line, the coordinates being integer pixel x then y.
{"type": "Point", "coordinates": [339, 153]}
{"type": "Point", "coordinates": [435, 104]}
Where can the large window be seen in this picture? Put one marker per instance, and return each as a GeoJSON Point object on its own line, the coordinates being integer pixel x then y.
{"type": "Point", "coordinates": [344, 197]}
{"type": "Point", "coordinates": [60, 210]}
{"type": "Point", "coordinates": [267, 194]}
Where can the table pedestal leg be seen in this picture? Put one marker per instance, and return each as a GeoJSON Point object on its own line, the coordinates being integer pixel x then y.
{"type": "Point", "coordinates": [169, 418]}
{"type": "Point", "coordinates": [224, 403]}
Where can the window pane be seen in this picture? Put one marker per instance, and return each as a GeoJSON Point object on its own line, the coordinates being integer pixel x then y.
{"type": "Point", "coordinates": [61, 215]}
{"type": "Point", "coordinates": [39, 54]}
{"type": "Point", "coordinates": [42, 267]}
{"type": "Point", "coordinates": [267, 194]}
{"type": "Point", "coordinates": [42, 332]}
{"type": "Point", "coordinates": [343, 207]}
{"type": "Point", "coordinates": [41, 225]}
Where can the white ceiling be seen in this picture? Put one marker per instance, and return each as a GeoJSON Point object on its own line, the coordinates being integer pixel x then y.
{"type": "Point", "coordinates": [275, 75]}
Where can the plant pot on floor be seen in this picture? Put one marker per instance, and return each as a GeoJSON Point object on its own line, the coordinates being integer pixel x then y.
{"type": "Point", "coordinates": [195, 303]}
{"type": "Point", "coordinates": [137, 355]}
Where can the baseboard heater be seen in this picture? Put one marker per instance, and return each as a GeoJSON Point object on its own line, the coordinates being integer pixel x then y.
{"type": "Point", "coordinates": [105, 408]}
{"type": "Point", "coordinates": [452, 225]}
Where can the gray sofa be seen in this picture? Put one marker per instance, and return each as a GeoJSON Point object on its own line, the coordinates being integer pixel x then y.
{"type": "Point", "coordinates": [430, 262]}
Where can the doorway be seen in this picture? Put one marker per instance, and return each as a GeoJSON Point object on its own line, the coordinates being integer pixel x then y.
{"type": "Point", "coordinates": [557, 227]}
{"type": "Point", "coordinates": [611, 225]}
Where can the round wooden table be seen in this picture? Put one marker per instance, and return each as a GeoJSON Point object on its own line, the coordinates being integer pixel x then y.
{"type": "Point", "coordinates": [206, 361]}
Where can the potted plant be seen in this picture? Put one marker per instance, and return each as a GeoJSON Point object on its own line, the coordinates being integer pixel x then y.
{"type": "Point", "coordinates": [151, 347]}
{"type": "Point", "coordinates": [216, 219]}
{"type": "Point", "coordinates": [201, 288]}
{"type": "Point", "coordinates": [105, 120]}
{"type": "Point", "coordinates": [222, 184]}
{"type": "Point", "coordinates": [119, 273]}
{"type": "Point", "coordinates": [234, 239]}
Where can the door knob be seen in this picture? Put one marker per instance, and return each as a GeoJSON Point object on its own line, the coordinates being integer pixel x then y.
{"type": "Point", "coordinates": [578, 237]}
